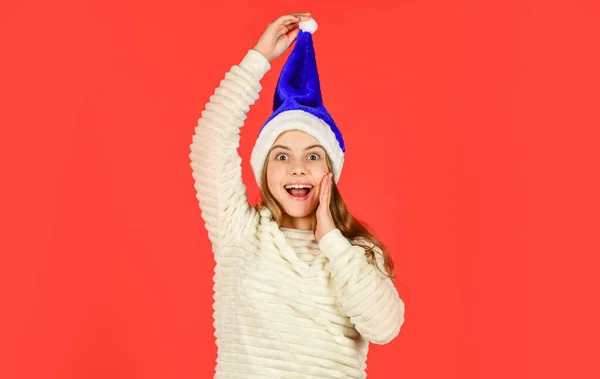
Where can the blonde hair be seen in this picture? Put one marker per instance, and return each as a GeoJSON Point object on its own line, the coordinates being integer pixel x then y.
{"type": "Point", "coordinates": [357, 232]}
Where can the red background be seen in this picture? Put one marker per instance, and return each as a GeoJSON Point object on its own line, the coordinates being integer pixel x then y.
{"type": "Point", "coordinates": [472, 141]}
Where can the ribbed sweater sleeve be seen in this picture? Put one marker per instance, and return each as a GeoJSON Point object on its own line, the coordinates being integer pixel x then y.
{"type": "Point", "coordinates": [369, 298]}
{"type": "Point", "coordinates": [215, 162]}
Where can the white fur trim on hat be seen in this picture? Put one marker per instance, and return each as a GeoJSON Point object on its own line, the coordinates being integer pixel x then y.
{"type": "Point", "coordinates": [309, 25]}
{"type": "Point", "coordinates": [296, 120]}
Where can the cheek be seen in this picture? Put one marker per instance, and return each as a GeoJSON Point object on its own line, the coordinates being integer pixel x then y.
{"type": "Point", "coordinates": [274, 177]}
{"type": "Point", "coordinates": [320, 171]}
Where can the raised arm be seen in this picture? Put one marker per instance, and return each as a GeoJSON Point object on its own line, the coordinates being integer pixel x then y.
{"type": "Point", "coordinates": [216, 165]}
{"type": "Point", "coordinates": [369, 297]}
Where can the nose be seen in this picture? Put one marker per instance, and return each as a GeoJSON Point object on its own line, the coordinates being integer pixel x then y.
{"type": "Point", "coordinates": [298, 169]}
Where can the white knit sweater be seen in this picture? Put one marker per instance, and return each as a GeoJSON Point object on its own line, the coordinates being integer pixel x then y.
{"type": "Point", "coordinates": [285, 306]}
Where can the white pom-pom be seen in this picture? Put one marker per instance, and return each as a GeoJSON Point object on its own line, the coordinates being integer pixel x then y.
{"type": "Point", "coordinates": [309, 25]}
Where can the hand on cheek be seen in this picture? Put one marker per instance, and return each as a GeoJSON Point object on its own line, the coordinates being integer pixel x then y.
{"type": "Point", "coordinates": [325, 222]}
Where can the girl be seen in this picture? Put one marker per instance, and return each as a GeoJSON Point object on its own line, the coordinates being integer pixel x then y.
{"type": "Point", "coordinates": [300, 286]}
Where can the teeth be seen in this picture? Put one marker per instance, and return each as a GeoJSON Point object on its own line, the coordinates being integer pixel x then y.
{"type": "Point", "coordinates": [298, 186]}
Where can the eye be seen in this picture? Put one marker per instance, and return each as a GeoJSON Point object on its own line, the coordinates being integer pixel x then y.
{"type": "Point", "coordinates": [278, 156]}
{"type": "Point", "coordinates": [313, 156]}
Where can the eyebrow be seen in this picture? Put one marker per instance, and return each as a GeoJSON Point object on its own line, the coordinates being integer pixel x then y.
{"type": "Point", "coordinates": [287, 148]}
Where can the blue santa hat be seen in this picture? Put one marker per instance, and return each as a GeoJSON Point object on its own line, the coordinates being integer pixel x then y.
{"type": "Point", "coordinates": [298, 105]}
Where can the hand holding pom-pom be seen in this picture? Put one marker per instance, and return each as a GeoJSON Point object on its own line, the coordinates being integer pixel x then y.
{"type": "Point", "coordinates": [279, 35]}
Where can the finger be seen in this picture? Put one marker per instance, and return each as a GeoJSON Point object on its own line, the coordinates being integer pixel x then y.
{"type": "Point", "coordinates": [294, 20]}
{"type": "Point", "coordinates": [290, 21]}
{"type": "Point", "coordinates": [300, 14]}
{"type": "Point", "coordinates": [293, 35]}
{"type": "Point", "coordinates": [303, 17]}
{"type": "Point", "coordinates": [286, 19]}
{"type": "Point", "coordinates": [326, 192]}
{"type": "Point", "coordinates": [329, 187]}
{"type": "Point", "coordinates": [291, 26]}
{"type": "Point", "coordinates": [328, 195]}
{"type": "Point", "coordinates": [288, 30]}
{"type": "Point", "coordinates": [290, 18]}
{"type": "Point", "coordinates": [322, 189]}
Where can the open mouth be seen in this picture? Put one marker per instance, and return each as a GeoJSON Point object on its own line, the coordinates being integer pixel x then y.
{"type": "Point", "coordinates": [299, 191]}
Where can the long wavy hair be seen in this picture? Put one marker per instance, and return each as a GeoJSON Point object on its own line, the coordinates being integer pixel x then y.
{"type": "Point", "coordinates": [357, 232]}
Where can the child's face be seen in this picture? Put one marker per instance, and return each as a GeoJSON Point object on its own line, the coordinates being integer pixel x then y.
{"type": "Point", "coordinates": [296, 157]}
